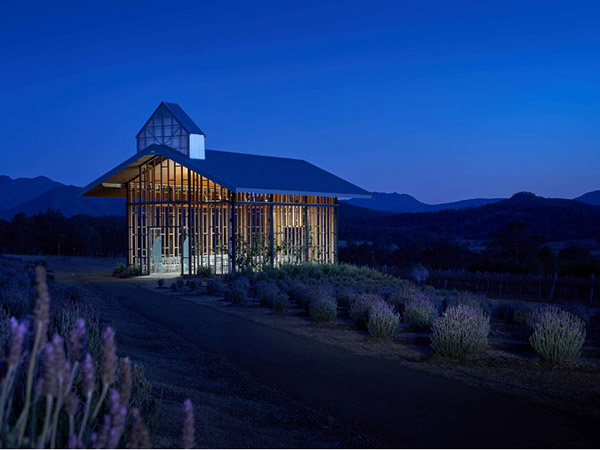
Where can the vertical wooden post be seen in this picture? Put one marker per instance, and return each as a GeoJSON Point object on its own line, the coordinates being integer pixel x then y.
{"type": "Point", "coordinates": [129, 237]}
{"type": "Point", "coordinates": [335, 231]}
{"type": "Point", "coordinates": [191, 259]}
{"type": "Point", "coordinates": [232, 224]}
{"type": "Point", "coordinates": [272, 231]}
{"type": "Point", "coordinates": [306, 231]}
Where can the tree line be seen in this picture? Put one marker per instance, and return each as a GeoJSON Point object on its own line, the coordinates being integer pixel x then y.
{"type": "Point", "coordinates": [51, 233]}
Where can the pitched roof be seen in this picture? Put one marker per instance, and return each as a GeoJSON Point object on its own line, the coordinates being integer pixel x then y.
{"type": "Point", "coordinates": [238, 172]}
{"type": "Point", "coordinates": [180, 115]}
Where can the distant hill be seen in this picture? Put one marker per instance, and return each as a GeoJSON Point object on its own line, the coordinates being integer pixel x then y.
{"type": "Point", "coordinates": [404, 203]}
{"type": "Point", "coordinates": [54, 195]}
{"type": "Point", "coordinates": [554, 219]}
{"type": "Point", "coordinates": [19, 190]}
{"type": "Point", "coordinates": [593, 198]}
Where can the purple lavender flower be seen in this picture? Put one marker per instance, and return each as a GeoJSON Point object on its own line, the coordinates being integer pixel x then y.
{"type": "Point", "coordinates": [71, 403]}
{"type": "Point", "coordinates": [60, 358]}
{"type": "Point", "coordinates": [78, 340]}
{"type": "Point", "coordinates": [109, 357]}
{"type": "Point", "coordinates": [87, 375]}
{"type": "Point", "coordinates": [102, 439]}
{"type": "Point", "coordinates": [50, 386]}
{"type": "Point", "coordinates": [117, 426]}
{"type": "Point", "coordinates": [17, 337]}
{"type": "Point", "coordinates": [94, 440]}
{"type": "Point", "coordinates": [189, 434]}
{"type": "Point", "coordinates": [125, 381]}
{"type": "Point", "coordinates": [138, 434]}
{"type": "Point", "coordinates": [114, 403]}
{"type": "Point", "coordinates": [74, 442]}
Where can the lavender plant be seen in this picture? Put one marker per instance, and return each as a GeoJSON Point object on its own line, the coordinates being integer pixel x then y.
{"type": "Point", "coordinates": [382, 322]}
{"type": "Point", "coordinates": [360, 307]}
{"type": "Point", "coordinates": [420, 312]}
{"type": "Point", "coordinates": [189, 433]}
{"type": "Point", "coordinates": [280, 302]}
{"type": "Point", "coordinates": [398, 297]}
{"type": "Point", "coordinates": [323, 309]}
{"type": "Point", "coordinates": [557, 335]}
{"type": "Point", "coordinates": [266, 292]}
{"type": "Point", "coordinates": [214, 287]}
{"type": "Point", "coordinates": [48, 391]}
{"type": "Point", "coordinates": [461, 331]}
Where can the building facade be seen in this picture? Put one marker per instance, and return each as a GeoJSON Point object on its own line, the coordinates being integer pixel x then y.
{"type": "Point", "coordinates": [189, 207]}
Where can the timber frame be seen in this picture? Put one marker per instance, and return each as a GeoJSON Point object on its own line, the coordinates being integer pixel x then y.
{"type": "Point", "coordinates": [179, 220]}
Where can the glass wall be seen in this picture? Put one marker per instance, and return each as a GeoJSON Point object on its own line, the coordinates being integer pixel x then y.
{"type": "Point", "coordinates": [179, 220]}
{"type": "Point", "coordinates": [163, 128]}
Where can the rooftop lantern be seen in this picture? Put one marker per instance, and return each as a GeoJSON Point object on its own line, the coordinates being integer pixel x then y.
{"type": "Point", "coordinates": [169, 125]}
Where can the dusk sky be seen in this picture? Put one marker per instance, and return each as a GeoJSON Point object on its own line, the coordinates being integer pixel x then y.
{"type": "Point", "coordinates": [441, 100]}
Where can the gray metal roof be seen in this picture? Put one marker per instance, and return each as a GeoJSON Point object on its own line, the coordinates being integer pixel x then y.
{"type": "Point", "coordinates": [238, 172]}
{"type": "Point", "coordinates": [180, 115]}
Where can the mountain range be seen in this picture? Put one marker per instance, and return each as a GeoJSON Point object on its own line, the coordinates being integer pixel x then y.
{"type": "Point", "coordinates": [554, 219]}
{"type": "Point", "coordinates": [33, 195]}
{"type": "Point", "coordinates": [404, 203]}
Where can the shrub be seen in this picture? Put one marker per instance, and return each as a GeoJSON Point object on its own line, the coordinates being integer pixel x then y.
{"type": "Point", "coordinates": [122, 271]}
{"type": "Point", "coordinates": [557, 335]}
{"type": "Point", "coordinates": [322, 309]}
{"type": "Point", "coordinates": [359, 309]}
{"type": "Point", "coordinates": [475, 301]}
{"type": "Point", "coordinates": [398, 297]}
{"type": "Point", "coordinates": [214, 287]}
{"type": "Point", "coordinates": [204, 271]}
{"type": "Point", "coordinates": [266, 292]}
{"type": "Point", "coordinates": [281, 302]}
{"type": "Point", "coordinates": [462, 330]}
{"type": "Point", "coordinates": [193, 284]}
{"type": "Point", "coordinates": [242, 282]}
{"type": "Point", "coordinates": [420, 312]}
{"type": "Point", "coordinates": [307, 294]}
{"type": "Point", "coordinates": [174, 286]}
{"type": "Point", "coordinates": [161, 282]}
{"type": "Point", "coordinates": [345, 296]}
{"type": "Point", "coordinates": [295, 291]}
{"type": "Point", "coordinates": [180, 283]}
{"type": "Point", "coordinates": [382, 322]}
{"type": "Point", "coordinates": [119, 270]}
{"type": "Point", "coordinates": [236, 295]}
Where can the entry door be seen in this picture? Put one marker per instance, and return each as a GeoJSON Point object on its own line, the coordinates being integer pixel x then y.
{"type": "Point", "coordinates": [156, 251]}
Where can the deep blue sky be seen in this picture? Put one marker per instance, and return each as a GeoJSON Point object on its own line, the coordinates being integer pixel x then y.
{"type": "Point", "coordinates": [442, 100]}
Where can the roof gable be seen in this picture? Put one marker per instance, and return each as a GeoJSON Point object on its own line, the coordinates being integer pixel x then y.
{"type": "Point", "coordinates": [179, 115]}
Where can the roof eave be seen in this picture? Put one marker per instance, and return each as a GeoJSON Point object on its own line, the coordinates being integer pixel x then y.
{"type": "Point", "coordinates": [156, 150]}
